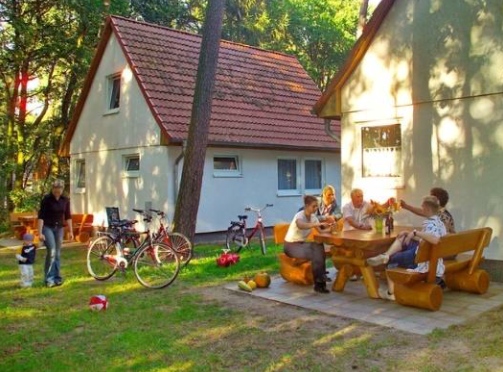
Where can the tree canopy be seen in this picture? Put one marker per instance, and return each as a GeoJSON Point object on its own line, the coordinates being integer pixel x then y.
{"type": "Point", "coordinates": [47, 48]}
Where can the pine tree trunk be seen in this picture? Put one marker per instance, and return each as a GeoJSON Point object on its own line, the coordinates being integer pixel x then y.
{"type": "Point", "coordinates": [362, 18]}
{"type": "Point", "coordinates": [189, 194]}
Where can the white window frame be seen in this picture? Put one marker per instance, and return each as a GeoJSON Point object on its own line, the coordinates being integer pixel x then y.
{"type": "Point", "coordinates": [300, 163]}
{"type": "Point", "coordinates": [127, 162]}
{"type": "Point", "coordinates": [110, 84]}
{"type": "Point", "coordinates": [80, 171]}
{"type": "Point", "coordinates": [237, 172]}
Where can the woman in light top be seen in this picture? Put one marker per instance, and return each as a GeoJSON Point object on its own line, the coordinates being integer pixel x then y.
{"type": "Point", "coordinates": [297, 247]}
{"type": "Point", "coordinates": [328, 210]}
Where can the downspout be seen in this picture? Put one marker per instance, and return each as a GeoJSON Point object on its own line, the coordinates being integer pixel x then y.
{"type": "Point", "coordinates": [175, 169]}
{"type": "Point", "coordinates": [331, 133]}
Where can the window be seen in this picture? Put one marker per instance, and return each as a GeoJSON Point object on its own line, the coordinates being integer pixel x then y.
{"type": "Point", "coordinates": [81, 174]}
{"type": "Point", "coordinates": [382, 151]}
{"type": "Point", "coordinates": [114, 93]}
{"type": "Point", "coordinates": [131, 166]}
{"type": "Point", "coordinates": [287, 176]}
{"type": "Point", "coordinates": [296, 176]}
{"type": "Point", "coordinates": [226, 166]}
{"type": "Point", "coordinates": [312, 175]}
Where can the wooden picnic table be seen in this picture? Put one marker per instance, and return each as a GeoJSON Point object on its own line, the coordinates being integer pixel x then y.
{"type": "Point", "coordinates": [30, 222]}
{"type": "Point", "coordinates": [350, 250]}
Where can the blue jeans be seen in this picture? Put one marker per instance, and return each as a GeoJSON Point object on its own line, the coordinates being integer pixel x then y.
{"type": "Point", "coordinates": [406, 257]}
{"type": "Point", "coordinates": [53, 243]}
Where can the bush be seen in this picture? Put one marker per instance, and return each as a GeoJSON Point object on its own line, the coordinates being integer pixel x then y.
{"type": "Point", "coordinates": [25, 201]}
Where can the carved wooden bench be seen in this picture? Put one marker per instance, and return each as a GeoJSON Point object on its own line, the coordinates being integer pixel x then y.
{"type": "Point", "coordinates": [461, 274]}
{"type": "Point", "coordinates": [82, 227]}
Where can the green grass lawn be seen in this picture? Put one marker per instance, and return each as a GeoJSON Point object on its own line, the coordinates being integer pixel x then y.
{"type": "Point", "coordinates": [179, 329]}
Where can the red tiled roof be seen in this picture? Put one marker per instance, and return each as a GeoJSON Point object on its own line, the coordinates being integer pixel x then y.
{"type": "Point", "coordinates": [261, 99]}
{"type": "Point", "coordinates": [355, 57]}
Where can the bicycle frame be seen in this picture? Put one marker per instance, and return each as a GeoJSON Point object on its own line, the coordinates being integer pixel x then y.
{"type": "Point", "coordinates": [179, 242]}
{"type": "Point", "coordinates": [241, 238]}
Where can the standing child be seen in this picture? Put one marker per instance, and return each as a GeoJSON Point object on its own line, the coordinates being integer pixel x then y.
{"type": "Point", "coordinates": [26, 260]}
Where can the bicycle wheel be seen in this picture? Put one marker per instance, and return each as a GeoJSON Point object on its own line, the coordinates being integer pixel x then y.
{"type": "Point", "coordinates": [182, 245]}
{"type": "Point", "coordinates": [101, 258]}
{"type": "Point", "coordinates": [263, 247]}
{"type": "Point", "coordinates": [235, 239]}
{"type": "Point", "coordinates": [156, 265]}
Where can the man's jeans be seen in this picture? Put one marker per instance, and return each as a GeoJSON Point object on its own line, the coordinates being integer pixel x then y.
{"type": "Point", "coordinates": [53, 242]}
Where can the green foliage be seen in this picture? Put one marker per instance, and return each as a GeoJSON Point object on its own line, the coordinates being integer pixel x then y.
{"type": "Point", "coordinates": [46, 51]}
{"type": "Point", "coordinates": [25, 200]}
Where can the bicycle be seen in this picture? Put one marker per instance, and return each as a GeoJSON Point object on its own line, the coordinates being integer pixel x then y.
{"type": "Point", "coordinates": [179, 242]}
{"type": "Point", "coordinates": [236, 237]}
{"type": "Point", "coordinates": [155, 264]}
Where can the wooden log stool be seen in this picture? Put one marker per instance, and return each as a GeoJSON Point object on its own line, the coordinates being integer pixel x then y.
{"type": "Point", "coordinates": [295, 270]}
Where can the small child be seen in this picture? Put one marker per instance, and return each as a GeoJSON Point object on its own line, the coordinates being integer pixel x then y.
{"type": "Point", "coordinates": [26, 260]}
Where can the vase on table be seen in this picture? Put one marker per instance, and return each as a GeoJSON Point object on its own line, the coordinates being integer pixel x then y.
{"type": "Point", "coordinates": [379, 224]}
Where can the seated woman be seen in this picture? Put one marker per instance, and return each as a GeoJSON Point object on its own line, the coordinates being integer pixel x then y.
{"type": "Point", "coordinates": [443, 197]}
{"type": "Point", "coordinates": [402, 253]}
{"type": "Point", "coordinates": [328, 210]}
{"type": "Point", "coordinates": [297, 247]}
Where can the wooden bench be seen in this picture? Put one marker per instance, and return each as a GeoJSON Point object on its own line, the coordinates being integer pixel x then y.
{"type": "Point", "coordinates": [461, 274]}
{"type": "Point", "coordinates": [82, 227]}
{"type": "Point", "coordinates": [19, 228]}
{"type": "Point", "coordinates": [294, 270]}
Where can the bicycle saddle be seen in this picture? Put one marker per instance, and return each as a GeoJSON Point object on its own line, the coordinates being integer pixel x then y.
{"type": "Point", "coordinates": [242, 217]}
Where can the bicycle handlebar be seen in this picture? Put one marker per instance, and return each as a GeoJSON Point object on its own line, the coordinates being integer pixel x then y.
{"type": "Point", "coordinates": [122, 223]}
{"type": "Point", "coordinates": [146, 217]}
{"type": "Point", "coordinates": [158, 212]}
{"type": "Point", "coordinates": [258, 210]}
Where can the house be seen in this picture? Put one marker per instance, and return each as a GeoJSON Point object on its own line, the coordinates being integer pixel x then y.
{"type": "Point", "coordinates": [420, 102]}
{"type": "Point", "coordinates": [126, 138]}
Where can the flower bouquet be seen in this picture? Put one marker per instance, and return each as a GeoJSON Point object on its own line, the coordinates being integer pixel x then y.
{"type": "Point", "coordinates": [381, 211]}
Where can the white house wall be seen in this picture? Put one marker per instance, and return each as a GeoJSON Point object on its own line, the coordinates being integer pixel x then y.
{"type": "Point", "coordinates": [102, 139]}
{"type": "Point", "coordinates": [436, 70]}
{"type": "Point", "coordinates": [132, 126]}
{"type": "Point", "coordinates": [224, 198]}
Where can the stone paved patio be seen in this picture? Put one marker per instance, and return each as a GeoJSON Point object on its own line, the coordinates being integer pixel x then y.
{"type": "Point", "coordinates": [457, 307]}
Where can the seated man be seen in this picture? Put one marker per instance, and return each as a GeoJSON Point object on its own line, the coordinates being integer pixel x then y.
{"type": "Point", "coordinates": [355, 212]}
{"type": "Point", "coordinates": [356, 216]}
{"type": "Point", "coordinates": [402, 252]}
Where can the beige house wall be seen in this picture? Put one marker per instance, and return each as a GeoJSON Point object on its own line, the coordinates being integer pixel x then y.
{"type": "Point", "coordinates": [436, 69]}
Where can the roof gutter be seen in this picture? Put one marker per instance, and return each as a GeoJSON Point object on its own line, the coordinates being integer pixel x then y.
{"type": "Point", "coordinates": [330, 132]}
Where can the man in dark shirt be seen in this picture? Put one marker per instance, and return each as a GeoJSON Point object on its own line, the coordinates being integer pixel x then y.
{"type": "Point", "coordinates": [54, 211]}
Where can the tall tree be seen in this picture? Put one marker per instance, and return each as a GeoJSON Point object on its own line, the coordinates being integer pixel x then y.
{"type": "Point", "coordinates": [192, 175]}
{"type": "Point", "coordinates": [320, 33]}
{"type": "Point", "coordinates": [362, 17]}
{"type": "Point", "coordinates": [183, 15]}
{"type": "Point", "coordinates": [46, 49]}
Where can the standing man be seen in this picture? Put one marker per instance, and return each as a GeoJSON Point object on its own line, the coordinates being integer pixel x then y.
{"type": "Point", "coordinates": [355, 212]}
{"type": "Point", "coordinates": [54, 211]}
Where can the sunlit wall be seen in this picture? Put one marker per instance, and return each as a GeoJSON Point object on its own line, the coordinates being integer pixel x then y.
{"type": "Point", "coordinates": [435, 69]}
